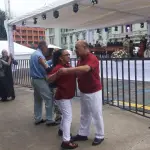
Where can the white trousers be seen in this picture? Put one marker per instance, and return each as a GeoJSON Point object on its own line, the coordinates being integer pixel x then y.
{"type": "Point", "coordinates": [91, 108]}
{"type": "Point", "coordinates": [65, 107]}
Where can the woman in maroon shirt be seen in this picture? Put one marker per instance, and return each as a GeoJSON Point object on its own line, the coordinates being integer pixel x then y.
{"type": "Point", "coordinates": [66, 85]}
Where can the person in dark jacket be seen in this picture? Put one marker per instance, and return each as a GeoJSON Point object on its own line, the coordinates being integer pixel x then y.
{"type": "Point", "coordinates": [3, 79]}
{"type": "Point", "coordinates": [8, 74]}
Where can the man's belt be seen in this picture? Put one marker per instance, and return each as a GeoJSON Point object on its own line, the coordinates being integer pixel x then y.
{"type": "Point", "coordinates": [38, 78]}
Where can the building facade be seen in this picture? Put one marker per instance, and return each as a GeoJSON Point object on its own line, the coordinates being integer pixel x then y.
{"type": "Point", "coordinates": [66, 38]}
{"type": "Point", "coordinates": [28, 36]}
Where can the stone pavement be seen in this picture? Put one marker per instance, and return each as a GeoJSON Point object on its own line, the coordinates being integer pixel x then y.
{"type": "Point", "coordinates": [123, 130]}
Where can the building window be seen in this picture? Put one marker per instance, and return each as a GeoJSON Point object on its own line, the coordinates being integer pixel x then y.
{"type": "Point", "coordinates": [53, 41]}
{"type": "Point", "coordinates": [71, 41]}
{"type": "Point", "coordinates": [41, 38]}
{"type": "Point", "coordinates": [65, 40]}
{"type": "Point", "coordinates": [61, 40]}
{"type": "Point", "coordinates": [51, 30]}
{"type": "Point", "coordinates": [77, 37]}
{"type": "Point", "coordinates": [131, 27]}
{"type": "Point", "coordinates": [18, 42]}
{"type": "Point", "coordinates": [84, 36]}
{"type": "Point", "coordinates": [122, 29]}
{"type": "Point", "coordinates": [110, 29]}
{"type": "Point", "coordinates": [18, 30]}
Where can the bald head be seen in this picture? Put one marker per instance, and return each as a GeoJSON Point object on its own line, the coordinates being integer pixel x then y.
{"type": "Point", "coordinates": [82, 43]}
{"type": "Point", "coordinates": [82, 48]}
{"type": "Point", "coordinates": [4, 53]}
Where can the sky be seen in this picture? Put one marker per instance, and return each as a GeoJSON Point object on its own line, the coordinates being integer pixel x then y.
{"type": "Point", "coordinates": [20, 7]}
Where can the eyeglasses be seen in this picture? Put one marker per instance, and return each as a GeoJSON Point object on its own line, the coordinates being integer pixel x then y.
{"type": "Point", "coordinates": [66, 55]}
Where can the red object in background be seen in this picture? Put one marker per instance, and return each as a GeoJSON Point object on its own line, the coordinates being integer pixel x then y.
{"type": "Point", "coordinates": [141, 50]}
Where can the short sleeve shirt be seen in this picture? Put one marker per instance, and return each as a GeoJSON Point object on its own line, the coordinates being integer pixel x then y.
{"type": "Point", "coordinates": [89, 82]}
{"type": "Point", "coordinates": [66, 84]}
{"type": "Point", "coordinates": [36, 69]}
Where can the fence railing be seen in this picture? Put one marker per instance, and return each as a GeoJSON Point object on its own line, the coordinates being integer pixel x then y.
{"type": "Point", "coordinates": [21, 73]}
{"type": "Point", "coordinates": [126, 82]}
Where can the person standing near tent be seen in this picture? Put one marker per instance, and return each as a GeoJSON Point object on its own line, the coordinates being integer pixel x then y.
{"type": "Point", "coordinates": [3, 79]}
{"type": "Point", "coordinates": [8, 74]}
{"type": "Point", "coordinates": [41, 87]}
{"type": "Point", "coordinates": [89, 83]}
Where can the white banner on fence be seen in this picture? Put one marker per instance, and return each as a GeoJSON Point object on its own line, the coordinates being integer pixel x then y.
{"type": "Point", "coordinates": [139, 70]}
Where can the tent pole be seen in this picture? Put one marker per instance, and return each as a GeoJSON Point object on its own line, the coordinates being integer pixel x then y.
{"type": "Point", "coordinates": [87, 36]}
{"type": "Point", "coordinates": [148, 27]}
{"type": "Point", "coordinates": [9, 28]}
{"type": "Point", "coordinates": [10, 40]}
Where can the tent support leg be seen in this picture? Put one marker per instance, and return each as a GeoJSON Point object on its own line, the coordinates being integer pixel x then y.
{"type": "Point", "coordinates": [87, 36]}
{"type": "Point", "coordinates": [10, 40]}
{"type": "Point", "coordinates": [148, 27]}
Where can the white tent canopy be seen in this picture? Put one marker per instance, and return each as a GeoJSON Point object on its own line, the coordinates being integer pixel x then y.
{"type": "Point", "coordinates": [104, 14]}
{"type": "Point", "coordinates": [20, 51]}
{"type": "Point", "coordinates": [53, 46]}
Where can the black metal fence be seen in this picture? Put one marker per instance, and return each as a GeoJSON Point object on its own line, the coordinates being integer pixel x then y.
{"type": "Point", "coordinates": [126, 82]}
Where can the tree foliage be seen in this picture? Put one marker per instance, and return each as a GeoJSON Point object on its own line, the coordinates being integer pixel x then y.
{"type": "Point", "coordinates": [3, 35]}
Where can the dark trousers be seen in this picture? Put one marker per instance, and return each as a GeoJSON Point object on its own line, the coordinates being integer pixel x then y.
{"type": "Point", "coordinates": [3, 88]}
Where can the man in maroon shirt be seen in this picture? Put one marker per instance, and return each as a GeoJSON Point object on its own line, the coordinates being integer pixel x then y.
{"type": "Point", "coordinates": [87, 71]}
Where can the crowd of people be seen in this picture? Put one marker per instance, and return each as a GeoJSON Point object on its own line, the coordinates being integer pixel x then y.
{"type": "Point", "coordinates": [96, 45]}
{"type": "Point", "coordinates": [6, 79]}
{"type": "Point", "coordinates": [54, 82]}
{"type": "Point", "coordinates": [126, 44]}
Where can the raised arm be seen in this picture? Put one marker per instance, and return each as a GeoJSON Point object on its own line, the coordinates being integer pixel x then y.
{"type": "Point", "coordinates": [6, 63]}
{"type": "Point", "coordinates": [76, 70]}
{"type": "Point", "coordinates": [90, 66]}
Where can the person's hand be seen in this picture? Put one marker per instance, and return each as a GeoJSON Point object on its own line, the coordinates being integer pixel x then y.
{"type": "Point", "coordinates": [62, 71]}
{"type": "Point", "coordinates": [11, 55]}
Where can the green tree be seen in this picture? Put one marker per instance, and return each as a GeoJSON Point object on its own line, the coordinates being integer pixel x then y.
{"type": "Point", "coordinates": [3, 35]}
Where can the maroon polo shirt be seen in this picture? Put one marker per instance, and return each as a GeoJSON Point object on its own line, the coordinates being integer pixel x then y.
{"type": "Point", "coordinates": [66, 84]}
{"type": "Point", "coordinates": [89, 82]}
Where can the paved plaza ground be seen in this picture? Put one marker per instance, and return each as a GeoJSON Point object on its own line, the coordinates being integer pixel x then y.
{"type": "Point", "coordinates": [123, 130]}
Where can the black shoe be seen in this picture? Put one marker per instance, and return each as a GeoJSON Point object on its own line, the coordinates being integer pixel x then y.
{"type": "Point", "coordinates": [52, 123]}
{"type": "Point", "coordinates": [13, 98]}
{"type": "Point", "coordinates": [97, 141]}
{"type": "Point", "coordinates": [39, 122]}
{"type": "Point", "coordinates": [4, 99]}
{"type": "Point", "coordinates": [79, 138]}
{"type": "Point", "coordinates": [69, 145]}
{"type": "Point", "coordinates": [60, 133]}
